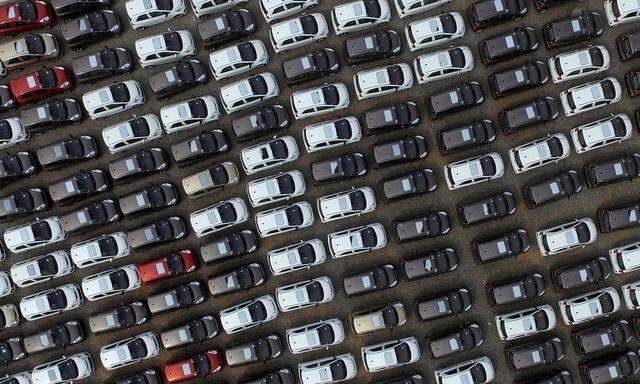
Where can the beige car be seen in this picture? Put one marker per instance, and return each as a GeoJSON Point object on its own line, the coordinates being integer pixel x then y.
{"type": "Point", "coordinates": [376, 319]}
{"type": "Point", "coordinates": [210, 179]}
{"type": "Point", "coordinates": [28, 49]}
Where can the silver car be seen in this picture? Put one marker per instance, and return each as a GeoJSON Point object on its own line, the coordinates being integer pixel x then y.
{"type": "Point", "coordinates": [195, 331]}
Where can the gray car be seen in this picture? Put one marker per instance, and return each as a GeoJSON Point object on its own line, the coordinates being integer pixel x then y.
{"type": "Point", "coordinates": [423, 226]}
{"type": "Point", "coordinates": [155, 197]}
{"type": "Point", "coordinates": [67, 151]}
{"type": "Point", "coordinates": [516, 291]}
{"type": "Point", "coordinates": [448, 304]}
{"type": "Point", "coordinates": [242, 278]}
{"type": "Point", "coordinates": [283, 376]}
{"type": "Point", "coordinates": [65, 8]}
{"type": "Point", "coordinates": [431, 264]}
{"type": "Point", "coordinates": [79, 185]}
{"type": "Point", "coordinates": [207, 143]}
{"type": "Point", "coordinates": [23, 201]}
{"type": "Point", "coordinates": [465, 338]}
{"type": "Point", "coordinates": [532, 355]}
{"type": "Point", "coordinates": [150, 376]}
{"type": "Point", "coordinates": [414, 378]}
{"type": "Point", "coordinates": [375, 279]}
{"type": "Point", "coordinates": [51, 113]}
{"type": "Point", "coordinates": [409, 184]}
{"type": "Point", "coordinates": [601, 337]}
{"type": "Point", "coordinates": [609, 369]}
{"type": "Point", "coordinates": [58, 336]}
{"type": "Point", "coordinates": [339, 168]}
{"type": "Point", "coordinates": [90, 216]}
{"type": "Point", "coordinates": [7, 101]}
{"type": "Point", "coordinates": [181, 297]}
{"type": "Point", "coordinates": [404, 149]}
{"type": "Point", "coordinates": [262, 349]}
{"type": "Point", "coordinates": [91, 28]}
{"type": "Point", "coordinates": [22, 164]}
{"type": "Point", "coordinates": [183, 75]}
{"type": "Point", "coordinates": [156, 232]}
{"type": "Point", "coordinates": [261, 122]}
{"type": "Point", "coordinates": [194, 331]}
{"type": "Point", "coordinates": [11, 350]}
{"type": "Point", "coordinates": [124, 316]}
{"type": "Point", "coordinates": [139, 164]}
{"type": "Point", "coordinates": [235, 244]}
{"type": "Point", "coordinates": [106, 62]}
{"type": "Point", "coordinates": [227, 26]}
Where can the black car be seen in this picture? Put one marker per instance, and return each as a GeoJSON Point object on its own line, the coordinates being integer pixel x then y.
{"type": "Point", "coordinates": [104, 63]}
{"type": "Point", "coordinates": [632, 80]}
{"type": "Point", "coordinates": [22, 164]}
{"type": "Point", "coordinates": [182, 76]}
{"type": "Point", "coordinates": [431, 264]}
{"type": "Point", "coordinates": [423, 226]}
{"type": "Point", "coordinates": [507, 45]}
{"type": "Point", "coordinates": [610, 368]}
{"type": "Point", "coordinates": [532, 355]}
{"type": "Point", "coordinates": [516, 291]}
{"type": "Point", "coordinates": [23, 201]}
{"type": "Point", "coordinates": [543, 6]}
{"type": "Point", "coordinates": [235, 244]}
{"type": "Point", "coordinates": [508, 244]}
{"type": "Point", "coordinates": [414, 378]}
{"type": "Point", "coordinates": [67, 151]}
{"type": "Point", "coordinates": [11, 350]}
{"type": "Point", "coordinates": [404, 149]}
{"type": "Point", "coordinates": [372, 46]}
{"type": "Point", "coordinates": [537, 111]}
{"type": "Point", "coordinates": [485, 13]}
{"type": "Point", "coordinates": [601, 337]}
{"type": "Point", "coordinates": [621, 217]}
{"type": "Point", "coordinates": [409, 184]}
{"type": "Point", "coordinates": [557, 377]}
{"type": "Point", "coordinates": [624, 167]}
{"type": "Point", "coordinates": [91, 28]}
{"type": "Point", "coordinates": [530, 75]}
{"type": "Point", "coordinates": [451, 303]}
{"type": "Point", "coordinates": [337, 168]}
{"type": "Point", "coordinates": [395, 116]}
{"type": "Point", "coordinates": [466, 135]}
{"type": "Point", "coordinates": [572, 30]}
{"type": "Point", "coordinates": [458, 98]}
{"type": "Point", "coordinates": [494, 207]}
{"type": "Point", "coordinates": [556, 187]}
{"type": "Point", "coordinates": [261, 122]}
{"type": "Point", "coordinates": [228, 26]}
{"type": "Point", "coordinates": [207, 143]}
{"type": "Point", "coordinates": [578, 275]}
{"type": "Point", "coordinates": [283, 376]}
{"type": "Point", "coordinates": [50, 114]}
{"type": "Point", "coordinates": [629, 45]}
{"type": "Point", "coordinates": [64, 8]}
{"type": "Point", "coordinates": [453, 341]}
{"type": "Point", "coordinates": [311, 66]}
{"type": "Point", "coordinates": [7, 101]}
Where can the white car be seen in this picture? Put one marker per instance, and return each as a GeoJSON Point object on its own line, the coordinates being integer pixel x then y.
{"type": "Point", "coordinates": [319, 100]}
{"type": "Point", "coordinates": [539, 152]}
{"type": "Point", "coordinates": [578, 63]}
{"type": "Point", "coordinates": [249, 92]}
{"type": "Point", "coordinates": [297, 32]}
{"type": "Point", "coordinates": [390, 354]}
{"type": "Point", "coordinates": [625, 258]}
{"type": "Point", "coordinates": [164, 48]}
{"type": "Point", "coordinates": [64, 370]}
{"type": "Point", "coordinates": [382, 80]}
{"type": "Point", "coordinates": [406, 8]}
{"type": "Point", "coordinates": [189, 113]}
{"type": "Point", "coordinates": [332, 134]}
{"type": "Point", "coordinates": [111, 282]}
{"type": "Point", "coordinates": [318, 335]}
{"type": "Point", "coordinates": [525, 322]}
{"type": "Point", "coordinates": [219, 216]}
{"type": "Point", "coordinates": [284, 219]}
{"type": "Point", "coordinates": [631, 295]}
{"type": "Point", "coordinates": [17, 378]}
{"type": "Point", "coordinates": [114, 98]}
{"type": "Point", "coordinates": [589, 306]}
{"type": "Point", "coordinates": [248, 314]}
{"type": "Point", "coordinates": [274, 188]}
{"type": "Point", "coordinates": [12, 132]}
{"type": "Point", "coordinates": [132, 133]}
{"type": "Point", "coordinates": [360, 14]}
{"type": "Point", "coordinates": [621, 11]}
{"type": "Point", "coordinates": [273, 10]}
{"type": "Point", "coordinates": [51, 302]}
{"type": "Point", "coordinates": [475, 371]}
{"type": "Point", "coordinates": [304, 294]}
{"type": "Point", "coordinates": [332, 369]}
{"type": "Point", "coordinates": [10, 316]}
{"type": "Point", "coordinates": [301, 255]}
{"type": "Point", "coordinates": [436, 30]}
{"type": "Point", "coordinates": [269, 154]}
{"type": "Point", "coordinates": [351, 241]}
{"type": "Point", "coordinates": [344, 204]}
{"type": "Point", "coordinates": [6, 285]}
{"type": "Point", "coordinates": [35, 234]}
{"type": "Point", "coordinates": [130, 351]}
{"type": "Point", "coordinates": [473, 170]}
{"type": "Point", "coordinates": [566, 236]}
{"type": "Point", "coordinates": [443, 64]}
{"type": "Point", "coordinates": [101, 249]}
{"type": "Point", "coordinates": [236, 59]}
{"type": "Point", "coordinates": [589, 96]}
{"type": "Point", "coordinates": [145, 13]}
{"type": "Point", "coordinates": [203, 8]}
{"type": "Point", "coordinates": [41, 268]}
{"type": "Point", "coordinates": [603, 132]}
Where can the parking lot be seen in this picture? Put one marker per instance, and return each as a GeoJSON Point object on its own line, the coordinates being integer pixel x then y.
{"type": "Point", "coordinates": [468, 275]}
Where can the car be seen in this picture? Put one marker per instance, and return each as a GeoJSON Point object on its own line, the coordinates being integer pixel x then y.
{"type": "Point", "coordinates": [100, 64]}
{"type": "Point", "coordinates": [311, 66]}
{"type": "Point", "coordinates": [41, 268]}
{"type": "Point", "coordinates": [353, 202]}
{"type": "Point", "coordinates": [382, 80]}
{"type": "Point", "coordinates": [572, 29]}
{"type": "Point", "coordinates": [608, 369]}
{"type": "Point", "coordinates": [189, 113]}
{"type": "Point", "coordinates": [619, 217]}
{"type": "Point", "coordinates": [67, 151]}
{"type": "Point", "coordinates": [150, 376]}
{"type": "Point", "coordinates": [431, 263]}
{"type": "Point", "coordinates": [530, 75]}
{"type": "Point", "coordinates": [101, 249]}
{"type": "Point", "coordinates": [17, 378]}
{"type": "Point", "coordinates": [58, 336]}
{"type": "Point", "coordinates": [589, 306]}
{"type": "Point", "coordinates": [443, 64]}
{"type": "Point", "coordinates": [508, 45]}
{"type": "Point", "coordinates": [121, 317]}
{"type": "Point", "coordinates": [465, 135]}
{"type": "Point", "coordinates": [18, 165]}
{"type": "Point", "coordinates": [424, 226]}
{"type": "Point", "coordinates": [239, 279]}
{"type": "Point", "coordinates": [505, 245]}
{"type": "Point", "coordinates": [435, 30]}
{"type": "Point", "coordinates": [132, 133]}
{"type": "Point", "coordinates": [284, 219]}
{"type": "Point", "coordinates": [132, 350]}
{"type": "Point", "coordinates": [261, 122]}
{"type": "Point", "coordinates": [90, 216]}
{"type": "Point", "coordinates": [623, 167]}
{"type": "Point", "coordinates": [6, 284]}
{"type": "Point", "coordinates": [66, 8]}
{"type": "Point", "coordinates": [25, 15]}
{"type": "Point", "coordinates": [589, 96]}
{"type": "Point", "coordinates": [275, 188]}
{"type": "Point", "coordinates": [144, 14]}
{"type": "Point", "coordinates": [22, 202]}
{"type": "Point", "coordinates": [7, 101]}
{"type": "Point", "coordinates": [632, 81]}
{"type": "Point", "coordinates": [183, 75]}
{"type": "Point", "coordinates": [41, 84]}
{"type": "Point", "coordinates": [203, 8]}
{"type": "Point", "coordinates": [154, 197]}
{"type": "Point", "coordinates": [26, 50]}
{"type": "Point", "coordinates": [522, 289]}
{"type": "Point", "coordinates": [373, 279]}
{"type": "Point", "coordinates": [298, 32]}
{"type": "Point", "coordinates": [269, 154]}
{"type": "Point", "coordinates": [486, 13]}
{"type": "Point", "coordinates": [628, 45]}
{"type": "Point", "coordinates": [228, 26]}
{"type": "Point", "coordinates": [111, 282]}
{"type": "Point", "coordinates": [455, 99]}
{"type": "Point", "coordinates": [410, 8]}
{"type": "Point", "coordinates": [318, 335]}
{"type": "Point", "coordinates": [543, 6]}
{"type": "Point", "coordinates": [360, 14]}
{"type": "Point", "coordinates": [365, 238]}
{"type": "Point", "coordinates": [476, 371]}
{"type": "Point", "coordinates": [112, 99]}
{"type": "Point", "coordinates": [12, 132]}
{"type": "Point", "coordinates": [496, 206]}
{"type": "Point", "coordinates": [279, 9]}
{"type": "Point", "coordinates": [304, 294]}
{"type": "Point", "coordinates": [567, 236]}
{"type": "Point", "coordinates": [540, 152]}
{"type": "Point", "coordinates": [258, 350]}
{"type": "Point", "coordinates": [630, 295]}
{"type": "Point", "coordinates": [235, 244]}
{"type": "Point", "coordinates": [207, 143]}
{"type": "Point", "coordinates": [66, 369]}
{"type": "Point", "coordinates": [173, 264]}
{"type": "Point", "coordinates": [446, 304]}
{"type": "Point", "coordinates": [138, 164]}
{"type": "Point", "coordinates": [47, 115]}
{"type": "Point", "coordinates": [596, 134]}
{"type": "Point", "coordinates": [332, 369]}
{"type": "Point", "coordinates": [202, 364]}
{"type": "Point", "coordinates": [248, 314]}
{"type": "Point", "coordinates": [249, 92]}
{"type": "Point", "coordinates": [613, 334]}
{"type": "Point", "coordinates": [474, 170]}
{"type": "Point", "coordinates": [401, 150]}
{"type": "Point", "coordinates": [624, 258]}
{"type": "Point", "coordinates": [237, 59]}
{"type": "Point", "coordinates": [391, 117]}
{"type": "Point", "coordinates": [221, 215]}
{"type": "Point", "coordinates": [542, 352]}
{"type": "Point", "coordinates": [210, 179]}
{"type": "Point", "coordinates": [319, 100]}
{"type": "Point", "coordinates": [464, 338]}
{"type": "Point", "coordinates": [525, 322]}
{"type": "Point", "coordinates": [36, 234]}
{"type": "Point", "coordinates": [337, 168]}
{"type": "Point", "coordinates": [51, 302]}
{"type": "Point", "coordinates": [554, 188]}
{"type": "Point", "coordinates": [300, 255]}
{"type": "Point", "coordinates": [180, 297]}
{"type": "Point", "coordinates": [534, 112]}
{"type": "Point", "coordinates": [379, 318]}
{"type": "Point", "coordinates": [157, 232]}
{"type": "Point", "coordinates": [372, 46]}
{"type": "Point", "coordinates": [332, 134]}
{"type": "Point", "coordinates": [197, 330]}
{"type": "Point", "coordinates": [90, 28]}
{"type": "Point", "coordinates": [390, 354]}
{"type": "Point", "coordinates": [578, 63]}
{"type": "Point", "coordinates": [9, 317]}
{"type": "Point", "coordinates": [164, 48]}
{"type": "Point", "coordinates": [410, 184]}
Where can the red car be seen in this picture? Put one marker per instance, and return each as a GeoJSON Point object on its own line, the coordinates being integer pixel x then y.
{"type": "Point", "coordinates": [41, 84]}
{"type": "Point", "coordinates": [202, 364]}
{"type": "Point", "coordinates": [24, 16]}
{"type": "Point", "coordinates": [177, 263]}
